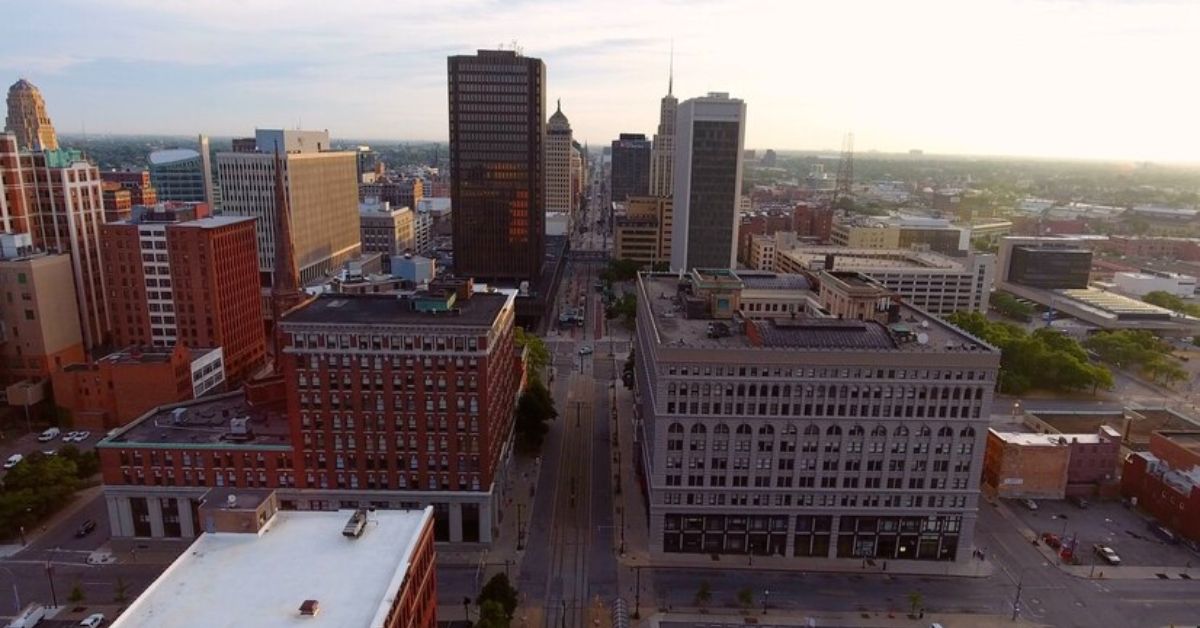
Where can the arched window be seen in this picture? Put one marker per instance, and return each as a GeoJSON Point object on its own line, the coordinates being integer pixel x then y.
{"type": "Point", "coordinates": [812, 430]}
{"type": "Point", "coordinates": [967, 432]}
{"type": "Point", "coordinates": [721, 430]}
{"type": "Point", "coordinates": [699, 429]}
{"type": "Point", "coordinates": [857, 430]}
{"type": "Point", "coordinates": [901, 432]}
{"type": "Point", "coordinates": [945, 432]}
{"type": "Point", "coordinates": [833, 431]}
{"type": "Point", "coordinates": [924, 431]}
{"type": "Point", "coordinates": [790, 429]}
{"type": "Point", "coordinates": [766, 430]}
{"type": "Point", "coordinates": [879, 431]}
{"type": "Point", "coordinates": [744, 429]}
{"type": "Point", "coordinates": [675, 428]}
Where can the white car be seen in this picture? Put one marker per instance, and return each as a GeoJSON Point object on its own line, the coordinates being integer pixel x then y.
{"type": "Point", "coordinates": [585, 350]}
{"type": "Point", "coordinates": [50, 434]}
{"type": "Point", "coordinates": [13, 461]}
{"type": "Point", "coordinates": [1107, 553]}
{"type": "Point", "coordinates": [93, 620]}
{"type": "Point", "coordinates": [82, 436]}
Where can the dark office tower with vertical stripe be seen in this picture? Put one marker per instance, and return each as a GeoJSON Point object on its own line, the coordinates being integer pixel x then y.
{"type": "Point", "coordinates": [497, 153]}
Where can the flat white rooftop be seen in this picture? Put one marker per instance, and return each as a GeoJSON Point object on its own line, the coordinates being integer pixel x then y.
{"type": "Point", "coordinates": [234, 580]}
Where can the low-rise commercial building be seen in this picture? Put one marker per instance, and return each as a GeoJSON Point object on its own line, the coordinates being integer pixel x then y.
{"type": "Point", "coordinates": [386, 228]}
{"type": "Point", "coordinates": [935, 283]}
{"type": "Point", "coordinates": [121, 386]}
{"type": "Point", "coordinates": [1141, 283]}
{"type": "Point", "coordinates": [1051, 466]}
{"type": "Point", "coordinates": [806, 434]}
{"type": "Point", "coordinates": [373, 569]}
{"type": "Point", "coordinates": [1165, 481]}
{"type": "Point", "coordinates": [901, 232]}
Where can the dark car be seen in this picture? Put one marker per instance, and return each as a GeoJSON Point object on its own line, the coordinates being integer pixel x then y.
{"type": "Point", "coordinates": [85, 528]}
{"type": "Point", "coordinates": [1051, 540]}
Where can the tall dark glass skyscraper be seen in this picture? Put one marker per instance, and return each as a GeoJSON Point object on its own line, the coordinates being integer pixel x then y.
{"type": "Point", "coordinates": [709, 135]}
{"type": "Point", "coordinates": [497, 171]}
{"type": "Point", "coordinates": [630, 166]}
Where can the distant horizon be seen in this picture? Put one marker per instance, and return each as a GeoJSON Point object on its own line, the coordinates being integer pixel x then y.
{"type": "Point", "coordinates": [833, 152]}
{"type": "Point", "coordinates": [1060, 79]}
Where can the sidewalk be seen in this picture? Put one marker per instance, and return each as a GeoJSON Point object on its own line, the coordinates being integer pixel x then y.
{"type": "Point", "coordinates": [516, 501]}
{"type": "Point", "coordinates": [863, 620]}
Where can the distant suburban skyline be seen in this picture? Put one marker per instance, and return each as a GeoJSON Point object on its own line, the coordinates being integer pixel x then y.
{"type": "Point", "coordinates": [1098, 79]}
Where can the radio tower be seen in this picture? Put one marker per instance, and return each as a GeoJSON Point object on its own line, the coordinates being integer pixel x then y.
{"type": "Point", "coordinates": [845, 173]}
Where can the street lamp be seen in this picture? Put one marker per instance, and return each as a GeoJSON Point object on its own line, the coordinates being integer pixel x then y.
{"type": "Point", "coordinates": [766, 596]}
{"type": "Point", "coordinates": [16, 594]}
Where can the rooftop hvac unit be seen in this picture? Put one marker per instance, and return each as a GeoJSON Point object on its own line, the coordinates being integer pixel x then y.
{"type": "Point", "coordinates": [354, 527]}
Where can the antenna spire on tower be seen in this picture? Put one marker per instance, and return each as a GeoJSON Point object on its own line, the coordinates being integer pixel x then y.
{"type": "Point", "coordinates": [671, 71]}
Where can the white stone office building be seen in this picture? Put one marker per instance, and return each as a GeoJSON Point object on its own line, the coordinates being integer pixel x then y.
{"type": "Point", "coordinates": [848, 425]}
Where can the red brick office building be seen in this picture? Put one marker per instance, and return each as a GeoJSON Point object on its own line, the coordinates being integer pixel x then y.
{"type": "Point", "coordinates": [178, 277]}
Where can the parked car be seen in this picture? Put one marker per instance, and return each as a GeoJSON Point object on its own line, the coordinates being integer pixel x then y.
{"type": "Point", "coordinates": [1163, 533]}
{"type": "Point", "coordinates": [93, 620]}
{"type": "Point", "coordinates": [49, 435]}
{"type": "Point", "coordinates": [585, 350]}
{"type": "Point", "coordinates": [1080, 503]}
{"type": "Point", "coordinates": [29, 617]}
{"type": "Point", "coordinates": [1051, 540]}
{"type": "Point", "coordinates": [85, 528]}
{"type": "Point", "coordinates": [1107, 554]}
{"type": "Point", "coordinates": [13, 461]}
{"type": "Point", "coordinates": [1029, 503]}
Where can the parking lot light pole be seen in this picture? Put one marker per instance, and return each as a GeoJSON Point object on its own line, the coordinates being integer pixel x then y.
{"type": "Point", "coordinates": [16, 593]}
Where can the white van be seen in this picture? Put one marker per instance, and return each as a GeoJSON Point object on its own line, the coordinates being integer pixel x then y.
{"type": "Point", "coordinates": [31, 616]}
{"type": "Point", "coordinates": [50, 434]}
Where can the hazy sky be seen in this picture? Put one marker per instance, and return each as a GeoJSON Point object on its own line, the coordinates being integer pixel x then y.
{"type": "Point", "coordinates": [1087, 78]}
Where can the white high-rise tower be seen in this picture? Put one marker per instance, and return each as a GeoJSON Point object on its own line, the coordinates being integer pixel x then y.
{"type": "Point", "coordinates": [662, 154]}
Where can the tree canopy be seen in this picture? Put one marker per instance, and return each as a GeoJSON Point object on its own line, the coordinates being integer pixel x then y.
{"type": "Point", "coordinates": [1140, 350]}
{"type": "Point", "coordinates": [537, 356]}
{"type": "Point", "coordinates": [1046, 358]}
{"type": "Point", "coordinates": [535, 409]}
{"type": "Point", "coordinates": [1165, 299]}
{"type": "Point", "coordinates": [1009, 306]}
{"type": "Point", "coordinates": [499, 591]}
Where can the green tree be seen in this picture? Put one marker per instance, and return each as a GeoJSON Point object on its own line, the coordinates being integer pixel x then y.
{"type": "Point", "coordinates": [1171, 302]}
{"type": "Point", "coordinates": [491, 615]}
{"type": "Point", "coordinates": [499, 591]}
{"type": "Point", "coordinates": [745, 597]}
{"type": "Point", "coordinates": [535, 409]}
{"type": "Point", "coordinates": [76, 596]}
{"type": "Point", "coordinates": [624, 308]}
{"type": "Point", "coordinates": [620, 270]}
{"type": "Point", "coordinates": [1011, 307]}
{"type": "Point", "coordinates": [536, 354]}
{"type": "Point", "coordinates": [1046, 358]}
{"type": "Point", "coordinates": [703, 594]}
{"type": "Point", "coordinates": [915, 601]}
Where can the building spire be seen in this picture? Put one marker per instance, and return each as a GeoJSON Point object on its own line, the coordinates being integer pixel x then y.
{"type": "Point", "coordinates": [285, 284]}
{"type": "Point", "coordinates": [559, 108]}
{"type": "Point", "coordinates": [671, 71]}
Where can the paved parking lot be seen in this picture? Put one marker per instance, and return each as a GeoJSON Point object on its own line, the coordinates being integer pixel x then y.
{"type": "Point", "coordinates": [1109, 523]}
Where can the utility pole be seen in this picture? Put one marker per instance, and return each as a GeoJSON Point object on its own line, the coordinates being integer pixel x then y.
{"type": "Point", "coordinates": [1017, 602]}
{"type": "Point", "coordinates": [50, 579]}
{"type": "Point", "coordinates": [520, 542]}
{"type": "Point", "coordinates": [637, 593]}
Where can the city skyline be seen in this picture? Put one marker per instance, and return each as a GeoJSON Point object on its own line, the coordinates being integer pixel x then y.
{"type": "Point", "coordinates": [1038, 79]}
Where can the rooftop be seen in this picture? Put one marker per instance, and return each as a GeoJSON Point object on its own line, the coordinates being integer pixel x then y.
{"type": "Point", "coordinates": [220, 580]}
{"type": "Point", "coordinates": [172, 155]}
{"type": "Point", "coordinates": [480, 310]}
{"type": "Point", "coordinates": [1186, 439]}
{"type": "Point", "coordinates": [207, 423]}
{"type": "Point", "coordinates": [916, 331]}
{"type": "Point", "coordinates": [1029, 439]}
{"type": "Point", "coordinates": [867, 260]}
